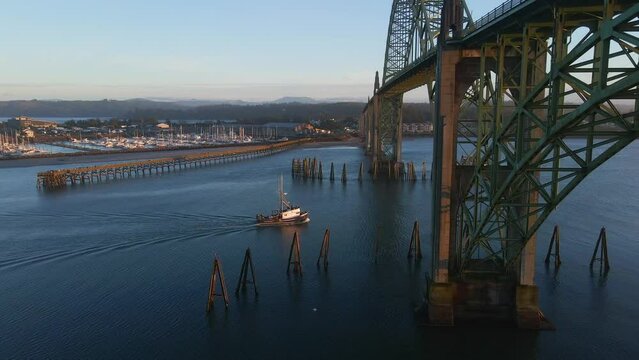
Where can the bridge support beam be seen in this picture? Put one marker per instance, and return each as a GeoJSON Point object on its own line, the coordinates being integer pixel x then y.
{"type": "Point", "coordinates": [388, 128]}
{"type": "Point", "coordinates": [449, 96]}
{"type": "Point", "coordinates": [468, 297]}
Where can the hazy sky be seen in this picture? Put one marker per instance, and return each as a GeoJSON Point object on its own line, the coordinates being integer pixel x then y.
{"type": "Point", "coordinates": [203, 49]}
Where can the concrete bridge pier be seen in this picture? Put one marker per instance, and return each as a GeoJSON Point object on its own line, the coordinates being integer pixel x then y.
{"type": "Point", "coordinates": [381, 126]}
{"type": "Point", "coordinates": [455, 296]}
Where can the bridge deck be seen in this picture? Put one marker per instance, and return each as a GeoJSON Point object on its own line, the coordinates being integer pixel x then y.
{"type": "Point", "coordinates": [504, 19]}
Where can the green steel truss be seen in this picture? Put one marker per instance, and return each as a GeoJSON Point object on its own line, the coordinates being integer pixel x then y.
{"type": "Point", "coordinates": [413, 30]}
{"type": "Point", "coordinates": [554, 102]}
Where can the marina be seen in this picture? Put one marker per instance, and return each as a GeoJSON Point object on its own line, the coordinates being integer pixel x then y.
{"type": "Point", "coordinates": [11, 145]}
{"type": "Point", "coordinates": [23, 136]}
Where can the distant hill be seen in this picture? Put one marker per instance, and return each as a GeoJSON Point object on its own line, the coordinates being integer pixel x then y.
{"type": "Point", "coordinates": [293, 99]}
{"type": "Point", "coordinates": [287, 109]}
{"type": "Point", "coordinates": [58, 108]}
{"type": "Point", "coordinates": [262, 113]}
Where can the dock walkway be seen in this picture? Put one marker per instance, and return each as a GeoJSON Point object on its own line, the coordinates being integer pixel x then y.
{"type": "Point", "coordinates": [58, 179]}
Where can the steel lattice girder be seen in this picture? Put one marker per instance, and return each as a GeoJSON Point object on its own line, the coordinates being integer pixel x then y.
{"type": "Point", "coordinates": [390, 127]}
{"type": "Point", "coordinates": [400, 37]}
{"type": "Point", "coordinates": [525, 163]}
{"type": "Point", "coordinates": [412, 33]}
{"type": "Point", "coordinates": [413, 30]}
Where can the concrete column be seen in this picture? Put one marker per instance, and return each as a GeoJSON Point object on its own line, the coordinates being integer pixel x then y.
{"type": "Point", "coordinates": [440, 290]}
{"type": "Point", "coordinates": [527, 294]}
{"type": "Point", "coordinates": [533, 74]}
{"type": "Point", "coordinates": [398, 133]}
{"type": "Point", "coordinates": [448, 103]}
{"type": "Point", "coordinates": [377, 115]}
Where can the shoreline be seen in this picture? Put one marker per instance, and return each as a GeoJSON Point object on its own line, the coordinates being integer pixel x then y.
{"type": "Point", "coordinates": [116, 156]}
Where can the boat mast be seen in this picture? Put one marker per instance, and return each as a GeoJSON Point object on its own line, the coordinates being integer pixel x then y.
{"type": "Point", "coordinates": [281, 191]}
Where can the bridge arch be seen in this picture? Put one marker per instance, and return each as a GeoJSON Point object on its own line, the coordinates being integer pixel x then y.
{"type": "Point", "coordinates": [532, 161]}
{"type": "Point", "coordinates": [555, 85]}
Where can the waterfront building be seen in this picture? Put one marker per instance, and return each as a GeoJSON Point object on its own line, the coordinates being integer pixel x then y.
{"type": "Point", "coordinates": [23, 122]}
{"type": "Point", "coordinates": [417, 128]}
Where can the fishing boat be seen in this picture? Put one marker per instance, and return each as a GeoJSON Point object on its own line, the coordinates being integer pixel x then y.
{"type": "Point", "coordinates": [287, 214]}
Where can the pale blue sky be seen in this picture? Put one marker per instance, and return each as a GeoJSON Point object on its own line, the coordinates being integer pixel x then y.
{"type": "Point", "coordinates": [204, 49]}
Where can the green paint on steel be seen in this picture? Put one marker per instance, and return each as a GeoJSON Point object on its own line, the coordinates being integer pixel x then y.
{"type": "Point", "coordinates": [521, 148]}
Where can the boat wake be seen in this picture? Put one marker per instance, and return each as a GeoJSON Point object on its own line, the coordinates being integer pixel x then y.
{"type": "Point", "coordinates": [187, 227]}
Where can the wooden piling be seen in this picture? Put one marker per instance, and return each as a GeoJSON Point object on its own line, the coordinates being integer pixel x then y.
{"type": "Point", "coordinates": [293, 168]}
{"type": "Point", "coordinates": [215, 273]}
{"type": "Point", "coordinates": [320, 175]}
{"type": "Point", "coordinates": [554, 240]}
{"type": "Point", "coordinates": [324, 249]}
{"type": "Point", "coordinates": [603, 254]}
{"type": "Point", "coordinates": [360, 176]}
{"type": "Point", "coordinates": [332, 175]}
{"type": "Point", "coordinates": [247, 265]}
{"type": "Point", "coordinates": [344, 173]}
{"type": "Point", "coordinates": [314, 169]}
{"type": "Point", "coordinates": [415, 246]}
{"type": "Point", "coordinates": [412, 173]}
{"type": "Point", "coordinates": [294, 256]}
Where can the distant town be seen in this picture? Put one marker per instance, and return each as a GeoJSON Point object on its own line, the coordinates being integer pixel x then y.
{"type": "Point", "coordinates": [23, 136]}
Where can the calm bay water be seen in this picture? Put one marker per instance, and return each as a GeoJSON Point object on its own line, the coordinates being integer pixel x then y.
{"type": "Point", "coordinates": [122, 269]}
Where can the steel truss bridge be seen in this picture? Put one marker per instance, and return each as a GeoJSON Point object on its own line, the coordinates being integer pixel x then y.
{"type": "Point", "coordinates": [527, 100]}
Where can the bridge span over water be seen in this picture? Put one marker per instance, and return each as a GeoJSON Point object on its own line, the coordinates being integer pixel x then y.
{"type": "Point", "coordinates": [527, 100]}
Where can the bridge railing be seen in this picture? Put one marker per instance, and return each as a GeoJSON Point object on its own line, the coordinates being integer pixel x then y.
{"type": "Point", "coordinates": [498, 12]}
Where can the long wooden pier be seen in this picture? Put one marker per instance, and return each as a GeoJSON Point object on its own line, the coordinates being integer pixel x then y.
{"type": "Point", "coordinates": [58, 179]}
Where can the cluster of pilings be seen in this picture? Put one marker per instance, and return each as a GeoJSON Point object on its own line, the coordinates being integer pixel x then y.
{"type": "Point", "coordinates": [57, 179]}
{"type": "Point", "coordinates": [309, 168]}
{"type": "Point", "coordinates": [294, 265]}
{"type": "Point", "coordinates": [403, 171]}
{"type": "Point", "coordinates": [313, 169]}
{"type": "Point", "coordinates": [600, 253]}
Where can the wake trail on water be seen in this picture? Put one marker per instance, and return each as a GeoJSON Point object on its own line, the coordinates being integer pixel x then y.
{"type": "Point", "coordinates": [205, 226]}
{"type": "Point", "coordinates": [129, 217]}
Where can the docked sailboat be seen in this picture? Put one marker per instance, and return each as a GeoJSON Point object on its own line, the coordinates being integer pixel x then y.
{"type": "Point", "coordinates": [287, 214]}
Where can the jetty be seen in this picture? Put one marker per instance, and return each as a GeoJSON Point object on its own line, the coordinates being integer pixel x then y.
{"type": "Point", "coordinates": [61, 178]}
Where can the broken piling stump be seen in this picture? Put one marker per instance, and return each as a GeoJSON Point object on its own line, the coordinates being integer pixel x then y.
{"type": "Point", "coordinates": [415, 247]}
{"type": "Point", "coordinates": [215, 274]}
{"type": "Point", "coordinates": [554, 240]}
{"type": "Point", "coordinates": [294, 256]}
{"type": "Point", "coordinates": [344, 173]}
{"type": "Point", "coordinates": [602, 241]}
{"type": "Point", "coordinates": [324, 250]}
{"type": "Point", "coordinates": [247, 265]}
